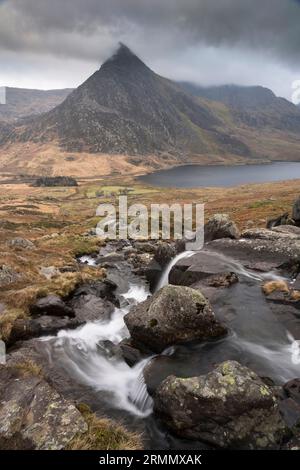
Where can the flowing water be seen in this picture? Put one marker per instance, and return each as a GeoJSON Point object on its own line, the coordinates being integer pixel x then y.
{"type": "Point", "coordinates": [86, 353]}
{"type": "Point", "coordinates": [256, 339]}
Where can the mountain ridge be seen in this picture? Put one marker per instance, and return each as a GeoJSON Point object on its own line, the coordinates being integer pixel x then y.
{"type": "Point", "coordinates": [126, 109]}
{"type": "Point", "coordinates": [23, 102]}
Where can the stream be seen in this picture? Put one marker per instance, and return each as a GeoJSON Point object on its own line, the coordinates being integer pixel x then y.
{"type": "Point", "coordinates": [256, 339]}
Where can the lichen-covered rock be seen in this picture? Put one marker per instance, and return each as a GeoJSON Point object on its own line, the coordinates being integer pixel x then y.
{"type": "Point", "coordinates": [8, 275]}
{"type": "Point", "coordinates": [175, 314]}
{"type": "Point", "coordinates": [220, 226]}
{"type": "Point", "coordinates": [230, 408]}
{"type": "Point", "coordinates": [21, 244]}
{"type": "Point", "coordinates": [33, 415]}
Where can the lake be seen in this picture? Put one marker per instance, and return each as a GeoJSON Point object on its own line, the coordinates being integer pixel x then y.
{"type": "Point", "coordinates": [193, 176]}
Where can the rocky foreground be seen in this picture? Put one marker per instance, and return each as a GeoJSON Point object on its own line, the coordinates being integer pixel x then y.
{"type": "Point", "coordinates": [227, 405]}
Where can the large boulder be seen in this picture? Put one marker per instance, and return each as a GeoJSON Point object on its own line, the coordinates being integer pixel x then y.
{"type": "Point", "coordinates": [202, 266]}
{"type": "Point", "coordinates": [33, 416]}
{"type": "Point", "coordinates": [230, 408]}
{"type": "Point", "coordinates": [51, 305]}
{"type": "Point", "coordinates": [175, 314]}
{"type": "Point", "coordinates": [220, 226]}
{"type": "Point", "coordinates": [26, 328]}
{"type": "Point", "coordinates": [261, 249]}
{"type": "Point", "coordinates": [91, 308]}
{"type": "Point", "coordinates": [296, 211]}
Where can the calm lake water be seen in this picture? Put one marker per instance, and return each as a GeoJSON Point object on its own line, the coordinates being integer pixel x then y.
{"type": "Point", "coordinates": [193, 176]}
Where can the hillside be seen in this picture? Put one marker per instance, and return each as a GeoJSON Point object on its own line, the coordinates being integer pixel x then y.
{"type": "Point", "coordinates": [125, 108]}
{"type": "Point", "coordinates": [125, 117]}
{"type": "Point", "coordinates": [22, 102]}
{"type": "Point", "coordinates": [254, 106]}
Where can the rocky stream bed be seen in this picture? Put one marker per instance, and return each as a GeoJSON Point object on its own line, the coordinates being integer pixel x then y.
{"type": "Point", "coordinates": [193, 350]}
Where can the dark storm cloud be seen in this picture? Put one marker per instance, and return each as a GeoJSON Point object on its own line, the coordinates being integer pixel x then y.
{"type": "Point", "coordinates": [271, 25]}
{"type": "Point", "coordinates": [206, 41]}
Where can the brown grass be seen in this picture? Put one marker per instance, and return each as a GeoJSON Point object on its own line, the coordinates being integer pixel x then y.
{"type": "Point", "coordinates": [275, 286]}
{"type": "Point", "coordinates": [29, 368]}
{"type": "Point", "coordinates": [295, 295]}
{"type": "Point", "coordinates": [7, 320]}
{"type": "Point", "coordinates": [104, 434]}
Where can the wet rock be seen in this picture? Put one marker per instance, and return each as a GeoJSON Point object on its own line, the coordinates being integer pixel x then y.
{"type": "Point", "coordinates": [33, 416]}
{"type": "Point", "coordinates": [290, 410]}
{"type": "Point", "coordinates": [8, 275]}
{"type": "Point", "coordinates": [173, 315]}
{"type": "Point", "coordinates": [25, 329]}
{"type": "Point", "coordinates": [292, 389]}
{"type": "Point", "coordinates": [296, 211]}
{"type": "Point", "coordinates": [230, 408]}
{"type": "Point", "coordinates": [103, 289]}
{"type": "Point", "coordinates": [89, 307]}
{"type": "Point", "coordinates": [110, 350]}
{"type": "Point", "coordinates": [220, 226]}
{"type": "Point", "coordinates": [21, 244]}
{"type": "Point", "coordinates": [157, 370]}
{"type": "Point", "coordinates": [131, 354]}
{"type": "Point", "coordinates": [200, 266]}
{"type": "Point", "coordinates": [51, 305]}
{"type": "Point", "coordinates": [152, 272]}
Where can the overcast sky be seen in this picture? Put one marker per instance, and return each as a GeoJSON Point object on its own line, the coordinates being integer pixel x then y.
{"type": "Point", "coordinates": [59, 43]}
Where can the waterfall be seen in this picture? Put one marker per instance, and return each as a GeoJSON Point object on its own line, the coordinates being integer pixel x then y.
{"type": "Point", "coordinates": [164, 279]}
{"type": "Point", "coordinates": [84, 355]}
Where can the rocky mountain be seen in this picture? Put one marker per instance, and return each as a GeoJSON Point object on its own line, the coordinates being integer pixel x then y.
{"type": "Point", "coordinates": [126, 108]}
{"type": "Point", "coordinates": [22, 102]}
{"type": "Point", "coordinates": [254, 106]}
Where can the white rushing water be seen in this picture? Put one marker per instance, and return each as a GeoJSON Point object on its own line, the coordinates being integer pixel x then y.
{"type": "Point", "coordinates": [164, 280]}
{"type": "Point", "coordinates": [85, 354]}
{"type": "Point", "coordinates": [86, 259]}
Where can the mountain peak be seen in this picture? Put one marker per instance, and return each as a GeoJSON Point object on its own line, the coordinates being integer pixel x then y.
{"type": "Point", "coordinates": [123, 57]}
